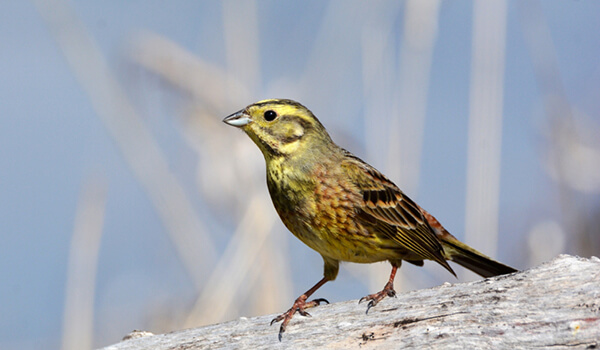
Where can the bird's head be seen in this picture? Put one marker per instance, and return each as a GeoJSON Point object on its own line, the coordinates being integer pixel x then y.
{"type": "Point", "coordinates": [280, 127]}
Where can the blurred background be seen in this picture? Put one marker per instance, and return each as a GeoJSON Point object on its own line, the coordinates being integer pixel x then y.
{"type": "Point", "coordinates": [126, 204]}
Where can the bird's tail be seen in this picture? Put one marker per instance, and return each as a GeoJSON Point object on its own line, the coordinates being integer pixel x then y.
{"type": "Point", "coordinates": [464, 255]}
{"type": "Point", "coordinates": [473, 260]}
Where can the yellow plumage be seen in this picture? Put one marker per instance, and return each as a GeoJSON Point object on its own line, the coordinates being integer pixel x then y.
{"type": "Point", "coordinates": [342, 207]}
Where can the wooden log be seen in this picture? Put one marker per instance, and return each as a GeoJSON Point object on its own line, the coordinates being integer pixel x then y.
{"type": "Point", "coordinates": [555, 305]}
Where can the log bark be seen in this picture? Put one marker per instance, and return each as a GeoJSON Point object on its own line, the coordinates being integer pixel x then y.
{"type": "Point", "coordinates": [555, 305]}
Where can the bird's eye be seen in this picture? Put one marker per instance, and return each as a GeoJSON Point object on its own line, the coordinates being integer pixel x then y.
{"type": "Point", "coordinates": [270, 115]}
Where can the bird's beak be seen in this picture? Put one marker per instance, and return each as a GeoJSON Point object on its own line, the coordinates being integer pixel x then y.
{"type": "Point", "coordinates": [238, 119]}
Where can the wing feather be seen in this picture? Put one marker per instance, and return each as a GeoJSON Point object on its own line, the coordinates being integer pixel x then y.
{"type": "Point", "coordinates": [389, 212]}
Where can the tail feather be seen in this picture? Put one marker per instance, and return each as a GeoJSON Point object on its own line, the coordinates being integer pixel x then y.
{"type": "Point", "coordinates": [464, 255]}
{"type": "Point", "coordinates": [473, 260]}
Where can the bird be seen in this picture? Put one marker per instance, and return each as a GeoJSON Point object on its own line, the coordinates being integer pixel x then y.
{"type": "Point", "coordinates": [342, 207]}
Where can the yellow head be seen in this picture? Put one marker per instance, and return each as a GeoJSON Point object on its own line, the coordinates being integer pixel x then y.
{"type": "Point", "coordinates": [280, 127]}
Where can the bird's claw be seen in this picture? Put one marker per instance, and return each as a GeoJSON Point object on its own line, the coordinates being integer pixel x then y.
{"type": "Point", "coordinates": [369, 306]}
{"type": "Point", "coordinates": [286, 317]}
{"type": "Point", "coordinates": [303, 312]}
{"type": "Point", "coordinates": [277, 319]}
{"type": "Point", "coordinates": [375, 298]}
{"type": "Point", "coordinates": [300, 306]}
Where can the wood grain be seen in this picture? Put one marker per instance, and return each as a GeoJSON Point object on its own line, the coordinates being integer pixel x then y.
{"type": "Point", "coordinates": [555, 305]}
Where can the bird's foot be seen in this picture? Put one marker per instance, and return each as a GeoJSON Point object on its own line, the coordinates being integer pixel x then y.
{"type": "Point", "coordinates": [375, 298]}
{"type": "Point", "coordinates": [299, 306]}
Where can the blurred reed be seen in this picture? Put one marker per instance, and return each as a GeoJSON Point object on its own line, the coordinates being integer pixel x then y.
{"type": "Point", "coordinates": [486, 103]}
{"type": "Point", "coordinates": [570, 151]}
{"type": "Point", "coordinates": [78, 326]}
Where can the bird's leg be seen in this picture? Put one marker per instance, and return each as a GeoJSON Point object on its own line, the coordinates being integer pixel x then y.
{"type": "Point", "coordinates": [300, 306]}
{"type": "Point", "coordinates": [388, 290]}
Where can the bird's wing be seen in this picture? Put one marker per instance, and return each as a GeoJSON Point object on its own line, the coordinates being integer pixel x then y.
{"type": "Point", "coordinates": [391, 212]}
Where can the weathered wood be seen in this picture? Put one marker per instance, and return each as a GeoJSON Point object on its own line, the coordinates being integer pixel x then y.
{"type": "Point", "coordinates": [555, 305]}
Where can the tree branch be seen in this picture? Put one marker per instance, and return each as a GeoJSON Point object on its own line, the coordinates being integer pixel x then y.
{"type": "Point", "coordinates": [555, 305]}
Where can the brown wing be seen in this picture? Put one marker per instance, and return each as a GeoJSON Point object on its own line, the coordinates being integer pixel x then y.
{"type": "Point", "coordinates": [392, 213]}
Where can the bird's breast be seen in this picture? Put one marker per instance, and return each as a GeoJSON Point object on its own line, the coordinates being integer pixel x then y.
{"type": "Point", "coordinates": [321, 210]}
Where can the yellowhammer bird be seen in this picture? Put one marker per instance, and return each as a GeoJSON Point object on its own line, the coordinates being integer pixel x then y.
{"type": "Point", "coordinates": [341, 206]}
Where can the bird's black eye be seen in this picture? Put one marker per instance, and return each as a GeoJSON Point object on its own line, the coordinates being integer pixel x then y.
{"type": "Point", "coordinates": [270, 115]}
